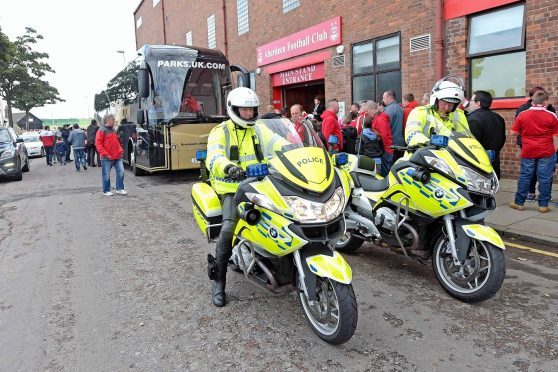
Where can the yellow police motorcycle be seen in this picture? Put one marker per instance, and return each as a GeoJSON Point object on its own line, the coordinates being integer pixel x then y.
{"type": "Point", "coordinates": [290, 208]}
{"type": "Point", "coordinates": [432, 204]}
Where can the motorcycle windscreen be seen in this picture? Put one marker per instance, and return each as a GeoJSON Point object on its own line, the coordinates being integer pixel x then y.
{"type": "Point", "coordinates": [308, 167]}
{"type": "Point", "coordinates": [472, 151]}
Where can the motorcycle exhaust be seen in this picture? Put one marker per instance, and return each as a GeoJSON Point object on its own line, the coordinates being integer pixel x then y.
{"type": "Point", "coordinates": [273, 285]}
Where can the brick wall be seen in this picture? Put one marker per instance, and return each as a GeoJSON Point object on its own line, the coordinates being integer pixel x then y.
{"type": "Point", "coordinates": [542, 65]}
{"type": "Point", "coordinates": [151, 30]}
{"type": "Point", "coordinates": [361, 21]}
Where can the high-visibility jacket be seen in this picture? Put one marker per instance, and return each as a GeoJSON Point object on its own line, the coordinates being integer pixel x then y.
{"type": "Point", "coordinates": [226, 135]}
{"type": "Point", "coordinates": [423, 118]}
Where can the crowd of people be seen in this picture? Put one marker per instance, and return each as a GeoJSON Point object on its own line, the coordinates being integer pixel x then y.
{"type": "Point", "coordinates": [92, 147]}
{"type": "Point", "coordinates": [371, 128]}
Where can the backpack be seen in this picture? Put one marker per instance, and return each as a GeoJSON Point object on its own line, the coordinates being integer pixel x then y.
{"type": "Point", "coordinates": [368, 147]}
{"type": "Point", "coordinates": [349, 139]}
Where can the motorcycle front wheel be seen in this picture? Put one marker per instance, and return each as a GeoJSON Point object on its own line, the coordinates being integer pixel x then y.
{"type": "Point", "coordinates": [334, 314]}
{"type": "Point", "coordinates": [478, 278]}
{"type": "Point", "coordinates": [348, 243]}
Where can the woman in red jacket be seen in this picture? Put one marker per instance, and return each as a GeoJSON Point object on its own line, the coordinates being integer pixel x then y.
{"type": "Point", "coordinates": [109, 149]}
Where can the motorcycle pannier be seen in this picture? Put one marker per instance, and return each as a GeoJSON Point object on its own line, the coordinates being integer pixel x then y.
{"type": "Point", "coordinates": [207, 209]}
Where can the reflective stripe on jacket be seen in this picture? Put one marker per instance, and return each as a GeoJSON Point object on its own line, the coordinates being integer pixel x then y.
{"type": "Point", "coordinates": [424, 118]}
{"type": "Point", "coordinates": [227, 134]}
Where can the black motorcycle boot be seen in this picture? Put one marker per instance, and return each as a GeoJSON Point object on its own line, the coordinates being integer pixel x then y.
{"type": "Point", "coordinates": [218, 295]}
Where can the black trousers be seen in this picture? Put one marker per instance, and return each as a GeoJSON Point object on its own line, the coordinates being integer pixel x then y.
{"type": "Point", "coordinates": [91, 152]}
{"type": "Point", "coordinates": [223, 251]}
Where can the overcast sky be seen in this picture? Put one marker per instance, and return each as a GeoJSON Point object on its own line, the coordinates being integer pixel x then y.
{"type": "Point", "coordinates": [81, 38]}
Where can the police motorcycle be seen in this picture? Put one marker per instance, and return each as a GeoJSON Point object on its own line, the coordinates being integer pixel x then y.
{"type": "Point", "coordinates": [432, 204]}
{"type": "Point", "coordinates": [291, 207]}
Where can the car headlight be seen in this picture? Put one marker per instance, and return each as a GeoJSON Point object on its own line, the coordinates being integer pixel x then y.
{"type": "Point", "coordinates": [478, 182]}
{"type": "Point", "coordinates": [307, 211]}
{"type": "Point", "coordinates": [439, 165]}
{"type": "Point", "coordinates": [7, 154]}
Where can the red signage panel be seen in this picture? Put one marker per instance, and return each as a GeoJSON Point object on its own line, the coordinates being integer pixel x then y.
{"type": "Point", "coordinates": [299, 75]}
{"type": "Point", "coordinates": [317, 37]}
{"type": "Point", "coordinates": [460, 8]}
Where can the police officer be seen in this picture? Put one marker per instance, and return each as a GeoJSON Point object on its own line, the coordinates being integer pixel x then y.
{"type": "Point", "coordinates": [231, 147]}
{"type": "Point", "coordinates": [442, 116]}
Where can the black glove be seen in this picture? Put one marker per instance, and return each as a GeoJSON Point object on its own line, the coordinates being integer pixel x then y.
{"type": "Point", "coordinates": [236, 173]}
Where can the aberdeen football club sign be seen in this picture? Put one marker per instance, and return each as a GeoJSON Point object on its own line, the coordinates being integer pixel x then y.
{"type": "Point", "coordinates": [299, 75]}
{"type": "Point", "coordinates": [317, 37]}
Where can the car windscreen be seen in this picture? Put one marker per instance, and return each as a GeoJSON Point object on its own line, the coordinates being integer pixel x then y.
{"type": "Point", "coordinates": [5, 136]}
{"type": "Point", "coordinates": [30, 139]}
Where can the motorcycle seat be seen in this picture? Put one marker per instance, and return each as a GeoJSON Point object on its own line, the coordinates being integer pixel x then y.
{"type": "Point", "coordinates": [370, 183]}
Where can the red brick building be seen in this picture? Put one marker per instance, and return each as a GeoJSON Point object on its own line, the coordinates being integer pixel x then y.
{"type": "Point", "coordinates": [351, 50]}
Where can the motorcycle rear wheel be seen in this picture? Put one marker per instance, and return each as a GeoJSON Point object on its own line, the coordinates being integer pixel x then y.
{"type": "Point", "coordinates": [478, 279]}
{"type": "Point", "coordinates": [334, 316]}
{"type": "Point", "coordinates": [348, 243]}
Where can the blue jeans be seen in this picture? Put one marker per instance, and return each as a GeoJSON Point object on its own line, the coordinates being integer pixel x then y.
{"type": "Point", "coordinates": [387, 160]}
{"type": "Point", "coordinates": [543, 168]}
{"type": "Point", "coordinates": [119, 167]}
{"type": "Point", "coordinates": [49, 152]}
{"type": "Point", "coordinates": [79, 158]}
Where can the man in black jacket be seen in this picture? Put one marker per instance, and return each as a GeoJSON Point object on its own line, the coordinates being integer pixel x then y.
{"type": "Point", "coordinates": [487, 126]}
{"type": "Point", "coordinates": [91, 149]}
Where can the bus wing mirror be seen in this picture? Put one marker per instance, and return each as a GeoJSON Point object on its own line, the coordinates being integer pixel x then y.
{"type": "Point", "coordinates": [143, 83]}
{"type": "Point", "coordinates": [140, 117]}
{"type": "Point", "coordinates": [244, 73]}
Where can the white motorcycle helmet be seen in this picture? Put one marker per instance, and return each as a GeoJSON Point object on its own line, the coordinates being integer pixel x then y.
{"type": "Point", "coordinates": [448, 89]}
{"type": "Point", "coordinates": [242, 97]}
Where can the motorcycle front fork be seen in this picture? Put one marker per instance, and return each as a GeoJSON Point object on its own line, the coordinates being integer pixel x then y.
{"type": "Point", "coordinates": [448, 222]}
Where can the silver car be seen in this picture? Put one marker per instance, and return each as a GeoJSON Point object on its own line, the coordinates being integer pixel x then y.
{"type": "Point", "coordinates": [33, 144]}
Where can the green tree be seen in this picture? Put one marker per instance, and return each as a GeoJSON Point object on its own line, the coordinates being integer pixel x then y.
{"type": "Point", "coordinates": [124, 87]}
{"type": "Point", "coordinates": [34, 93]}
{"type": "Point", "coordinates": [20, 68]}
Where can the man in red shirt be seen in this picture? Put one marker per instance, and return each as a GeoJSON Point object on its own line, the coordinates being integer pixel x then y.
{"type": "Point", "coordinates": [380, 124]}
{"type": "Point", "coordinates": [362, 114]}
{"type": "Point", "coordinates": [538, 128]}
{"type": "Point", "coordinates": [108, 146]}
{"type": "Point", "coordinates": [47, 138]}
{"type": "Point", "coordinates": [408, 104]}
{"type": "Point", "coordinates": [330, 124]}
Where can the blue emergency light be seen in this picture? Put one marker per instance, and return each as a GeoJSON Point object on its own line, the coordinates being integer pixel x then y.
{"type": "Point", "coordinates": [341, 159]}
{"type": "Point", "coordinates": [439, 141]}
{"type": "Point", "coordinates": [257, 170]}
{"type": "Point", "coordinates": [333, 140]}
{"type": "Point", "coordinates": [201, 155]}
{"type": "Point", "coordinates": [491, 154]}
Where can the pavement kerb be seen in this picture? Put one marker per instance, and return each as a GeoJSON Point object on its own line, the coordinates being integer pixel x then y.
{"type": "Point", "coordinates": [547, 241]}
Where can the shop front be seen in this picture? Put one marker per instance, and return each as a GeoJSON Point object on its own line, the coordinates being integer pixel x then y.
{"type": "Point", "coordinates": [296, 66]}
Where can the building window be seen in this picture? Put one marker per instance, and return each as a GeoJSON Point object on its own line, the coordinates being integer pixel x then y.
{"type": "Point", "coordinates": [242, 16]}
{"type": "Point", "coordinates": [211, 40]}
{"type": "Point", "coordinates": [289, 5]}
{"type": "Point", "coordinates": [376, 68]}
{"type": "Point", "coordinates": [155, 2]}
{"type": "Point", "coordinates": [496, 51]}
{"type": "Point", "coordinates": [189, 38]}
{"type": "Point", "coordinates": [139, 21]}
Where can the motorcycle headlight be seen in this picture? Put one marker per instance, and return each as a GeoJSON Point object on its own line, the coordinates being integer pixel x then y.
{"type": "Point", "coordinates": [7, 154]}
{"type": "Point", "coordinates": [263, 201]}
{"type": "Point", "coordinates": [479, 183]}
{"type": "Point", "coordinates": [307, 211]}
{"type": "Point", "coordinates": [439, 165]}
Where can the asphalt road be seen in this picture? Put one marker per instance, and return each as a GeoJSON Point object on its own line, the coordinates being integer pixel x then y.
{"type": "Point", "coordinates": [95, 283]}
